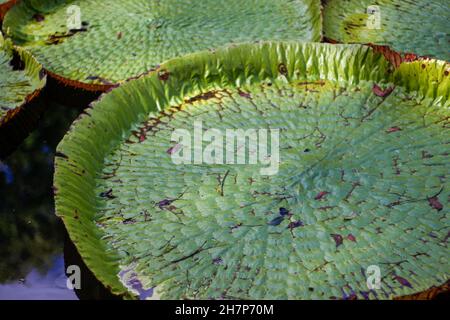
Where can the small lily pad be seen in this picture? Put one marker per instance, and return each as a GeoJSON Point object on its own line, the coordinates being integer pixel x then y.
{"type": "Point", "coordinates": [21, 80]}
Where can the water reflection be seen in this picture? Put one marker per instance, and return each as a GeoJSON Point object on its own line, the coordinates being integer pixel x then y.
{"type": "Point", "coordinates": [31, 236]}
{"type": "Point", "coordinates": [40, 286]}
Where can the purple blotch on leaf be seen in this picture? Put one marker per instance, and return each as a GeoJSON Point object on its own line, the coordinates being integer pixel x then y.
{"type": "Point", "coordinates": [337, 238]}
{"type": "Point", "coordinates": [107, 194]}
{"type": "Point", "coordinates": [295, 224]}
{"type": "Point", "coordinates": [284, 212]}
{"type": "Point", "coordinates": [403, 281]}
{"type": "Point", "coordinates": [435, 203]}
{"type": "Point", "coordinates": [276, 221]}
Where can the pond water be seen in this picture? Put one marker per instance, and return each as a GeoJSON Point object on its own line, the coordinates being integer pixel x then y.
{"type": "Point", "coordinates": [34, 248]}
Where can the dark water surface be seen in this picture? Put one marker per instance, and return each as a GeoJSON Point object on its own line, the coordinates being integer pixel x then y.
{"type": "Point", "coordinates": [34, 248]}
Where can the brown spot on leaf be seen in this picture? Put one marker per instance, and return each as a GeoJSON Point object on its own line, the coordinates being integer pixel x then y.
{"type": "Point", "coordinates": [163, 75]}
{"type": "Point", "coordinates": [282, 69]}
{"type": "Point", "coordinates": [337, 239]}
{"type": "Point", "coordinates": [38, 17]}
{"type": "Point", "coordinates": [435, 203]}
{"type": "Point", "coordinates": [129, 221]}
{"type": "Point", "coordinates": [409, 57]}
{"type": "Point", "coordinates": [295, 224]}
{"type": "Point", "coordinates": [107, 194]}
{"type": "Point", "coordinates": [58, 37]}
{"type": "Point", "coordinates": [142, 136]}
{"type": "Point", "coordinates": [325, 208]}
{"type": "Point", "coordinates": [378, 91]}
{"type": "Point", "coordinates": [306, 83]}
{"type": "Point", "coordinates": [61, 155]}
{"type": "Point", "coordinates": [174, 149]}
{"type": "Point", "coordinates": [74, 31]}
{"type": "Point", "coordinates": [244, 94]}
{"type": "Point", "coordinates": [204, 96]}
{"type": "Point", "coordinates": [321, 195]}
{"type": "Point", "coordinates": [119, 35]}
{"type": "Point", "coordinates": [393, 129]}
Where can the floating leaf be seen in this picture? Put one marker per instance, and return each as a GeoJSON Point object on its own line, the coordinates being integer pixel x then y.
{"type": "Point", "coordinates": [131, 37]}
{"type": "Point", "coordinates": [21, 80]}
{"type": "Point", "coordinates": [201, 211]}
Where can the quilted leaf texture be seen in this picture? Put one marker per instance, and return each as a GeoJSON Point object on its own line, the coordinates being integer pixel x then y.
{"type": "Point", "coordinates": [350, 190]}
{"type": "Point", "coordinates": [96, 44]}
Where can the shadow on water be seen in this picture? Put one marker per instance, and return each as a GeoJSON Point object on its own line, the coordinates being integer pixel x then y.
{"type": "Point", "coordinates": [90, 287]}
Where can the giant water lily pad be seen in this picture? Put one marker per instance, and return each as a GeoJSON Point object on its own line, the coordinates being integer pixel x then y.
{"type": "Point", "coordinates": [95, 44]}
{"type": "Point", "coordinates": [419, 26]}
{"type": "Point", "coordinates": [21, 78]}
{"type": "Point", "coordinates": [362, 178]}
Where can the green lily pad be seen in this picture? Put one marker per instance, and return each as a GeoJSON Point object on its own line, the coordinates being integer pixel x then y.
{"type": "Point", "coordinates": [21, 78]}
{"type": "Point", "coordinates": [96, 44]}
{"type": "Point", "coordinates": [361, 181]}
{"type": "Point", "coordinates": [420, 27]}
